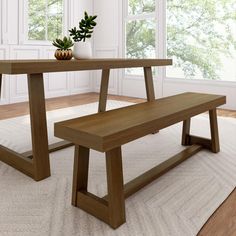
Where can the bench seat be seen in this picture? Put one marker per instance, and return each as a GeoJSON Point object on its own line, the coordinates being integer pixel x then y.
{"type": "Point", "coordinates": [107, 130]}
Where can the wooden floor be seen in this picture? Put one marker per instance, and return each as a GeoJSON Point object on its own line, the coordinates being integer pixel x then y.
{"type": "Point", "coordinates": [20, 109]}
{"type": "Point", "coordinates": [222, 222]}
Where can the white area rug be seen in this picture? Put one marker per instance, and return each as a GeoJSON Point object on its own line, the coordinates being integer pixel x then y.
{"type": "Point", "coordinates": [177, 204]}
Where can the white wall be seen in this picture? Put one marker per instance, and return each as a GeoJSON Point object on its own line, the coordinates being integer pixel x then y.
{"type": "Point", "coordinates": [108, 43]}
{"type": "Point", "coordinates": [12, 14]}
{"type": "Point", "coordinates": [106, 40]}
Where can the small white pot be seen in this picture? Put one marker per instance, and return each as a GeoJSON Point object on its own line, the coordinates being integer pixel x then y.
{"type": "Point", "coordinates": [82, 50]}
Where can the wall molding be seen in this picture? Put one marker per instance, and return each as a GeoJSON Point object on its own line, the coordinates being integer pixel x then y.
{"type": "Point", "coordinates": [14, 46]}
{"type": "Point", "coordinates": [106, 52]}
{"type": "Point", "coordinates": [4, 54]}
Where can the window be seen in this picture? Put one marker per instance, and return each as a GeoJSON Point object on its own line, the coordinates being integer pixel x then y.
{"type": "Point", "coordinates": [45, 19]}
{"type": "Point", "coordinates": [200, 36]}
{"type": "Point", "coordinates": [140, 27]}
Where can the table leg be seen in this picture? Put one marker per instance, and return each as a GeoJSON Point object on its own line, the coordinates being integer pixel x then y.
{"type": "Point", "coordinates": [103, 90]}
{"type": "Point", "coordinates": [0, 86]}
{"type": "Point", "coordinates": [215, 143]}
{"type": "Point", "coordinates": [149, 86]}
{"type": "Point", "coordinates": [149, 83]}
{"type": "Point", "coordinates": [186, 132]}
{"type": "Point", "coordinates": [38, 126]}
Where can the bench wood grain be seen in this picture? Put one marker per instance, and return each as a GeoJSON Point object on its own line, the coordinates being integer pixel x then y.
{"type": "Point", "coordinates": [114, 128]}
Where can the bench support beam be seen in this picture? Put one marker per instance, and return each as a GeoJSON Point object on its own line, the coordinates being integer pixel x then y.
{"type": "Point", "coordinates": [141, 181]}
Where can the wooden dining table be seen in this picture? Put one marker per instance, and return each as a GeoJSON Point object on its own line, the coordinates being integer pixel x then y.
{"type": "Point", "coordinates": [36, 163]}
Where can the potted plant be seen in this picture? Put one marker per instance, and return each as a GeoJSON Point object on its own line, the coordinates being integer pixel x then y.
{"type": "Point", "coordinates": [83, 48]}
{"type": "Point", "coordinates": [63, 52]}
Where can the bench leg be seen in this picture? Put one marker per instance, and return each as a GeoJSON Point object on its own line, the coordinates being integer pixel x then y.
{"type": "Point", "coordinates": [116, 200]}
{"type": "Point", "coordinates": [110, 210]}
{"type": "Point", "coordinates": [212, 144]}
{"type": "Point", "coordinates": [80, 175]}
{"type": "Point", "coordinates": [0, 86]}
{"type": "Point", "coordinates": [186, 132]}
{"type": "Point", "coordinates": [215, 144]}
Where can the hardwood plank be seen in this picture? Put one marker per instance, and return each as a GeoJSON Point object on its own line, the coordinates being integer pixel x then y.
{"type": "Point", "coordinates": [80, 172]}
{"type": "Point", "coordinates": [134, 121]}
{"type": "Point", "coordinates": [51, 65]}
{"type": "Point", "coordinates": [17, 161]}
{"type": "Point", "coordinates": [103, 91]}
{"type": "Point", "coordinates": [20, 109]}
{"type": "Point", "coordinates": [222, 222]}
{"type": "Point", "coordinates": [115, 184]}
{"type": "Point", "coordinates": [149, 83]}
{"type": "Point", "coordinates": [214, 131]}
{"type": "Point", "coordinates": [38, 127]}
{"type": "Point", "coordinates": [226, 113]}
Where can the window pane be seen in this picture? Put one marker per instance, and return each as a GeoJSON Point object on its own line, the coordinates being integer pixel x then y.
{"type": "Point", "coordinates": [140, 41]}
{"type": "Point", "coordinates": [37, 20]}
{"type": "Point", "coordinates": [55, 14]}
{"type": "Point", "coordinates": [45, 19]}
{"type": "Point", "coordinates": [201, 38]}
{"type": "Point", "coordinates": [140, 6]}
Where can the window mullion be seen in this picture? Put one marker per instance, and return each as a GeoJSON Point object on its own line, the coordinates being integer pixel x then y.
{"type": "Point", "coordinates": [46, 23]}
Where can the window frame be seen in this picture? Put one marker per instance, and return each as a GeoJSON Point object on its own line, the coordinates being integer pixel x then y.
{"type": "Point", "coordinates": [23, 24]}
{"type": "Point", "coordinates": [159, 16]}
{"type": "Point", "coordinates": [161, 47]}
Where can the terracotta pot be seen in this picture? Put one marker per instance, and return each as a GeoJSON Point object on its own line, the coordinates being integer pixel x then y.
{"type": "Point", "coordinates": [82, 50]}
{"type": "Point", "coordinates": [63, 54]}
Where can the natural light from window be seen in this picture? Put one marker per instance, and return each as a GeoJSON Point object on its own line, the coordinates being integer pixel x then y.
{"type": "Point", "coordinates": [45, 19]}
{"type": "Point", "coordinates": [201, 37]}
{"type": "Point", "coordinates": [140, 31]}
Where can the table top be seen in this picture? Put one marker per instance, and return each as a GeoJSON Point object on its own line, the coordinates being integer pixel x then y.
{"type": "Point", "coordinates": [43, 66]}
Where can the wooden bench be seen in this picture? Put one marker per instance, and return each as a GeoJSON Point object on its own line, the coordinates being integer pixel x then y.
{"type": "Point", "coordinates": [107, 131]}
